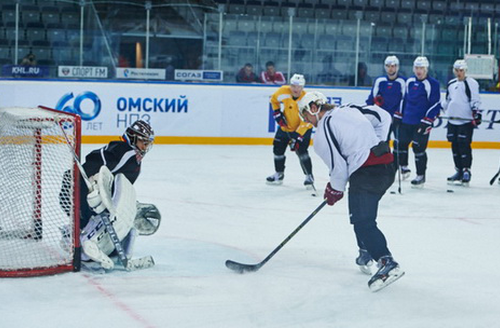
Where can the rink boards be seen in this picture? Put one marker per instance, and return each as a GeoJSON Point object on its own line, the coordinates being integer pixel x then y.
{"type": "Point", "coordinates": [195, 113]}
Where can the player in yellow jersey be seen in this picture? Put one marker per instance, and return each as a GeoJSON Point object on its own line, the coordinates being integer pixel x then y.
{"type": "Point", "coordinates": [292, 131]}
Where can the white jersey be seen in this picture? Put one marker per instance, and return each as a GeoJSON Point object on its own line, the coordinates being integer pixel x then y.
{"type": "Point", "coordinates": [462, 97]}
{"type": "Point", "coordinates": [380, 119]}
{"type": "Point", "coordinates": [343, 140]}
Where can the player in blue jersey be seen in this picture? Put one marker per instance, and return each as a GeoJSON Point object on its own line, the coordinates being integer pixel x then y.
{"type": "Point", "coordinates": [388, 91]}
{"type": "Point", "coordinates": [414, 123]}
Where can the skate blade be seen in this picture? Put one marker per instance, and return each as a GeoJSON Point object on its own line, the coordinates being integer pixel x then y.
{"type": "Point", "coordinates": [379, 284]}
{"type": "Point", "coordinates": [405, 176]}
{"type": "Point", "coordinates": [419, 186]}
{"type": "Point", "coordinates": [274, 183]}
{"type": "Point", "coordinates": [455, 183]}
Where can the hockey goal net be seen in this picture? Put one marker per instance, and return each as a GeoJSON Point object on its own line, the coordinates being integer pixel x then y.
{"type": "Point", "coordinates": [39, 229]}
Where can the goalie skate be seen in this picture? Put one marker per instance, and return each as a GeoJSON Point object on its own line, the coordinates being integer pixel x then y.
{"type": "Point", "coordinates": [388, 273]}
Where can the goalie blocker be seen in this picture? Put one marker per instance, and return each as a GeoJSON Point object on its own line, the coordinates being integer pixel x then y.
{"type": "Point", "coordinates": [127, 216]}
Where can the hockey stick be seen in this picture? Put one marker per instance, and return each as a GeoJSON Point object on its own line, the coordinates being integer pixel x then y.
{"type": "Point", "coordinates": [314, 193]}
{"type": "Point", "coordinates": [241, 268]}
{"type": "Point", "coordinates": [397, 158]}
{"type": "Point", "coordinates": [492, 181]}
{"type": "Point", "coordinates": [129, 265]}
{"type": "Point", "coordinates": [466, 119]}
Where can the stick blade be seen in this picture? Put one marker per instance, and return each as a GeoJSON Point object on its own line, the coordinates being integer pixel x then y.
{"type": "Point", "coordinates": [492, 181]}
{"type": "Point", "coordinates": [242, 268]}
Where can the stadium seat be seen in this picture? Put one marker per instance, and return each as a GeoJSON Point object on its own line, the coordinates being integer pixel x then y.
{"type": "Point", "coordinates": [439, 6]}
{"type": "Point", "coordinates": [408, 4]}
{"type": "Point", "coordinates": [338, 13]}
{"type": "Point", "coordinates": [388, 16]}
{"type": "Point", "coordinates": [404, 17]}
{"type": "Point", "coordinates": [349, 28]}
{"type": "Point", "coordinates": [322, 11]}
{"type": "Point", "coordinates": [372, 16]}
{"type": "Point", "coordinates": [360, 3]}
{"type": "Point", "coordinates": [236, 7]}
{"type": "Point", "coordinates": [424, 5]}
{"type": "Point", "coordinates": [246, 24]}
{"type": "Point", "coordinates": [392, 4]}
{"type": "Point", "coordinates": [307, 41]}
{"type": "Point", "coordinates": [400, 31]}
{"type": "Point", "coordinates": [326, 41]}
{"type": "Point", "coordinates": [285, 8]}
{"type": "Point", "coordinates": [254, 8]}
{"type": "Point", "coordinates": [376, 3]}
{"type": "Point", "coordinates": [344, 3]}
{"type": "Point", "coordinates": [271, 9]}
{"type": "Point", "coordinates": [305, 10]}
{"type": "Point", "coordinates": [237, 38]}
{"type": "Point", "coordinates": [252, 38]}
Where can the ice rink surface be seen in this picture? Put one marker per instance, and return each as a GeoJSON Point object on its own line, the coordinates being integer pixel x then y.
{"type": "Point", "coordinates": [216, 206]}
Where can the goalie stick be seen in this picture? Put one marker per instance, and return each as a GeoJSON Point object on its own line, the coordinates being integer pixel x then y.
{"type": "Point", "coordinates": [241, 267]}
{"type": "Point", "coordinates": [129, 264]}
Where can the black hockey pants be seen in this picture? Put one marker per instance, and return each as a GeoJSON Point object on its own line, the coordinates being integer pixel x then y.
{"type": "Point", "coordinates": [405, 134]}
{"type": "Point", "coordinates": [460, 137]}
{"type": "Point", "coordinates": [281, 142]}
{"type": "Point", "coordinates": [366, 187]}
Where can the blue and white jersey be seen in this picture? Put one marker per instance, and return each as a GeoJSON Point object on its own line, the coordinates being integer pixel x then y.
{"type": "Point", "coordinates": [392, 92]}
{"type": "Point", "coordinates": [422, 99]}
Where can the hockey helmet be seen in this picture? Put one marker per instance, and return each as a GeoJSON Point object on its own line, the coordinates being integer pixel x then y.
{"type": "Point", "coordinates": [140, 130]}
{"type": "Point", "coordinates": [305, 103]}
{"type": "Point", "coordinates": [460, 64]}
{"type": "Point", "coordinates": [298, 79]}
{"type": "Point", "coordinates": [421, 61]}
{"type": "Point", "coordinates": [391, 60]}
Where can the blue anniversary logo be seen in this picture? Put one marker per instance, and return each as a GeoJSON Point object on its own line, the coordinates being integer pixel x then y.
{"type": "Point", "coordinates": [63, 105]}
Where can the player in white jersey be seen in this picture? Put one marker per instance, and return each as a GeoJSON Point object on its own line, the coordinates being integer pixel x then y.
{"type": "Point", "coordinates": [462, 106]}
{"type": "Point", "coordinates": [347, 141]}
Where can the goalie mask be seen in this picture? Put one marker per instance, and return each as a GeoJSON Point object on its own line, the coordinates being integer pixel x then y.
{"type": "Point", "coordinates": [140, 131]}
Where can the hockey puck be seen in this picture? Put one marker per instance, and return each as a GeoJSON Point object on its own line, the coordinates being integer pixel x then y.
{"type": "Point", "coordinates": [449, 190]}
{"type": "Point", "coordinates": [393, 192]}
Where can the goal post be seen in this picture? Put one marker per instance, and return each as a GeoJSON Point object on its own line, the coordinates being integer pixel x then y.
{"type": "Point", "coordinates": [39, 184]}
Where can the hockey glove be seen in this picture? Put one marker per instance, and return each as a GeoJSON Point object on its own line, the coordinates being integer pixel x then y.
{"type": "Point", "coordinates": [425, 126]}
{"type": "Point", "coordinates": [280, 118]}
{"type": "Point", "coordinates": [397, 119]}
{"type": "Point", "coordinates": [331, 195]}
{"type": "Point", "coordinates": [379, 100]}
{"type": "Point", "coordinates": [295, 141]}
{"type": "Point", "coordinates": [478, 118]}
{"type": "Point", "coordinates": [94, 200]}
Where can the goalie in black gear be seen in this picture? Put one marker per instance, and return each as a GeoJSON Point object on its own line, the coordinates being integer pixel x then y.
{"type": "Point", "coordinates": [122, 158]}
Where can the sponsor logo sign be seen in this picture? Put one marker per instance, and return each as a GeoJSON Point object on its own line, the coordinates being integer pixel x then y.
{"type": "Point", "coordinates": [83, 71]}
{"type": "Point", "coordinates": [140, 73]}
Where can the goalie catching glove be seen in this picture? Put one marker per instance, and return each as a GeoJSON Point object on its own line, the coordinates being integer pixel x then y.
{"type": "Point", "coordinates": [147, 220]}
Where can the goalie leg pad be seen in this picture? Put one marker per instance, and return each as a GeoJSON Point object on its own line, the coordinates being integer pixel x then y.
{"type": "Point", "coordinates": [96, 243]}
{"type": "Point", "coordinates": [118, 195]}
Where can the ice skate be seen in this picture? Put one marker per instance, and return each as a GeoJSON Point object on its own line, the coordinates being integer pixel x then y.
{"type": "Point", "coordinates": [388, 272]}
{"type": "Point", "coordinates": [418, 182]}
{"type": "Point", "coordinates": [455, 178]}
{"type": "Point", "coordinates": [275, 179]}
{"type": "Point", "coordinates": [405, 172]}
{"type": "Point", "coordinates": [309, 181]}
{"type": "Point", "coordinates": [364, 261]}
{"type": "Point", "coordinates": [466, 175]}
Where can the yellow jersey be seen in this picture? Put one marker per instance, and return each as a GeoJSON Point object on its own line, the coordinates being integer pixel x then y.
{"type": "Point", "coordinates": [290, 109]}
